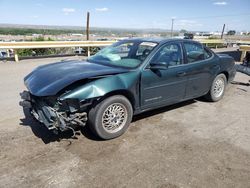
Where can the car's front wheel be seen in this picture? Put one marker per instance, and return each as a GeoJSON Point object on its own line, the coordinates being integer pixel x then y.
{"type": "Point", "coordinates": [217, 89]}
{"type": "Point", "coordinates": [111, 117]}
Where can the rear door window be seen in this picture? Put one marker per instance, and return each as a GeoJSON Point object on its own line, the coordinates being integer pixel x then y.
{"type": "Point", "coordinates": [208, 54]}
{"type": "Point", "coordinates": [195, 52]}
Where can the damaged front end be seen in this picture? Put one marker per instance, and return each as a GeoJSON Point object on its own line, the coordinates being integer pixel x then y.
{"type": "Point", "coordinates": [56, 115]}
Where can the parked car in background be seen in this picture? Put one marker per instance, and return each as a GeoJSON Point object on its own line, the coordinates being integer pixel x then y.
{"type": "Point", "coordinates": [3, 54]}
{"type": "Point", "coordinates": [130, 77]}
{"type": "Point", "coordinates": [80, 50]}
{"type": "Point", "coordinates": [188, 36]}
{"type": "Point", "coordinates": [84, 51]}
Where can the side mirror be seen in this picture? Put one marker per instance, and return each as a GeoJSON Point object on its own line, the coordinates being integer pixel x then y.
{"type": "Point", "coordinates": [159, 66]}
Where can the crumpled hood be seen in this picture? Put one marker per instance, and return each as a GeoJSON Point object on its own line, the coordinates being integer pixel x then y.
{"type": "Point", "coordinates": [49, 79]}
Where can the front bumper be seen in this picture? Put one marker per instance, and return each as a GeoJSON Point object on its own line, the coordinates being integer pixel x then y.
{"type": "Point", "coordinates": [52, 118]}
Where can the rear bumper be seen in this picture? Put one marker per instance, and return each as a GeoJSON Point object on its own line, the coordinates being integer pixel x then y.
{"type": "Point", "coordinates": [50, 117]}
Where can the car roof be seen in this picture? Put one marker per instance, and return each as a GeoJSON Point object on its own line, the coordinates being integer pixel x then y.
{"type": "Point", "coordinates": [157, 40]}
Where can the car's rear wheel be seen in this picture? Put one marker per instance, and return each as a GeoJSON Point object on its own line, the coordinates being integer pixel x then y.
{"type": "Point", "coordinates": [217, 89]}
{"type": "Point", "coordinates": [111, 117]}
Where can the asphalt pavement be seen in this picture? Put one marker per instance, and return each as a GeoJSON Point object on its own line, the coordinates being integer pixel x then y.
{"type": "Point", "coordinates": [192, 144]}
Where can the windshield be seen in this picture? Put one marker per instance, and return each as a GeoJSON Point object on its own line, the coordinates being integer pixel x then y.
{"type": "Point", "coordinates": [124, 54]}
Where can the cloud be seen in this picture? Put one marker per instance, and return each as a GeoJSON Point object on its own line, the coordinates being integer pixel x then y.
{"type": "Point", "coordinates": [188, 23]}
{"type": "Point", "coordinates": [220, 3]}
{"type": "Point", "coordinates": [104, 9]}
{"type": "Point", "coordinates": [68, 11]}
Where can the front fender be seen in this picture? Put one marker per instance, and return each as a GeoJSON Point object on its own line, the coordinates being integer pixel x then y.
{"type": "Point", "coordinates": [100, 87]}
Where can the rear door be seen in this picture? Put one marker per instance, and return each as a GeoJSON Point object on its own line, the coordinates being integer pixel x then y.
{"type": "Point", "coordinates": [201, 64]}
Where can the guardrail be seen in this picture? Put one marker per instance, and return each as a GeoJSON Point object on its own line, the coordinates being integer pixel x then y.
{"type": "Point", "coordinates": [211, 41]}
{"type": "Point", "coordinates": [51, 44]}
{"type": "Point", "coordinates": [88, 44]}
{"type": "Point", "coordinates": [244, 49]}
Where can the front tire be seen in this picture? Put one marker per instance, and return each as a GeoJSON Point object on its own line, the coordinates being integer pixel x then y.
{"type": "Point", "coordinates": [111, 117]}
{"type": "Point", "coordinates": [217, 89]}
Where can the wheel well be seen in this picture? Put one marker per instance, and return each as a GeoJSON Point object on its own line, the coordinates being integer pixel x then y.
{"type": "Point", "coordinates": [125, 93]}
{"type": "Point", "coordinates": [226, 74]}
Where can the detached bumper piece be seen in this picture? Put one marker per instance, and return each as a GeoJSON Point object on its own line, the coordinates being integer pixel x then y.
{"type": "Point", "coordinates": [54, 119]}
{"type": "Point", "coordinates": [243, 69]}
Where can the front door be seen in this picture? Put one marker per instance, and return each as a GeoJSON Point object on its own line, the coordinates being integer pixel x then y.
{"type": "Point", "coordinates": [164, 86]}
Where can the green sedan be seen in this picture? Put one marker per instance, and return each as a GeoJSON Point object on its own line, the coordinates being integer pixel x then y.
{"type": "Point", "coordinates": [130, 77]}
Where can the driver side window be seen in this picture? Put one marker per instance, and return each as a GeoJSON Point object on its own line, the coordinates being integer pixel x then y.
{"type": "Point", "coordinates": [171, 54]}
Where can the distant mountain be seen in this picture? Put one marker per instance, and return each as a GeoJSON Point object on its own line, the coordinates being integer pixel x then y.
{"type": "Point", "coordinates": [4, 25]}
{"type": "Point", "coordinates": [54, 27]}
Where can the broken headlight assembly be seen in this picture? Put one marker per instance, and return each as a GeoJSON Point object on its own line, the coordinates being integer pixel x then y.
{"type": "Point", "coordinates": [57, 115]}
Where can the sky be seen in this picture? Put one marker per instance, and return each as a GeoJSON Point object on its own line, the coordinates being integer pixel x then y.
{"type": "Point", "coordinates": [191, 15]}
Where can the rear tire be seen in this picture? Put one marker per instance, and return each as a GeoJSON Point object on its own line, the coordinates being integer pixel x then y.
{"type": "Point", "coordinates": [217, 89]}
{"type": "Point", "coordinates": [111, 117]}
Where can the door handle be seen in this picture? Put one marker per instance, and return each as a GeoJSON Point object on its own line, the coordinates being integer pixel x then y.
{"type": "Point", "coordinates": [182, 73]}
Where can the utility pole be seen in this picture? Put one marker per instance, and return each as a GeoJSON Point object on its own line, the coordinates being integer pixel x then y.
{"type": "Point", "coordinates": [222, 33]}
{"type": "Point", "coordinates": [87, 32]}
{"type": "Point", "coordinates": [172, 27]}
{"type": "Point", "coordinates": [87, 26]}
